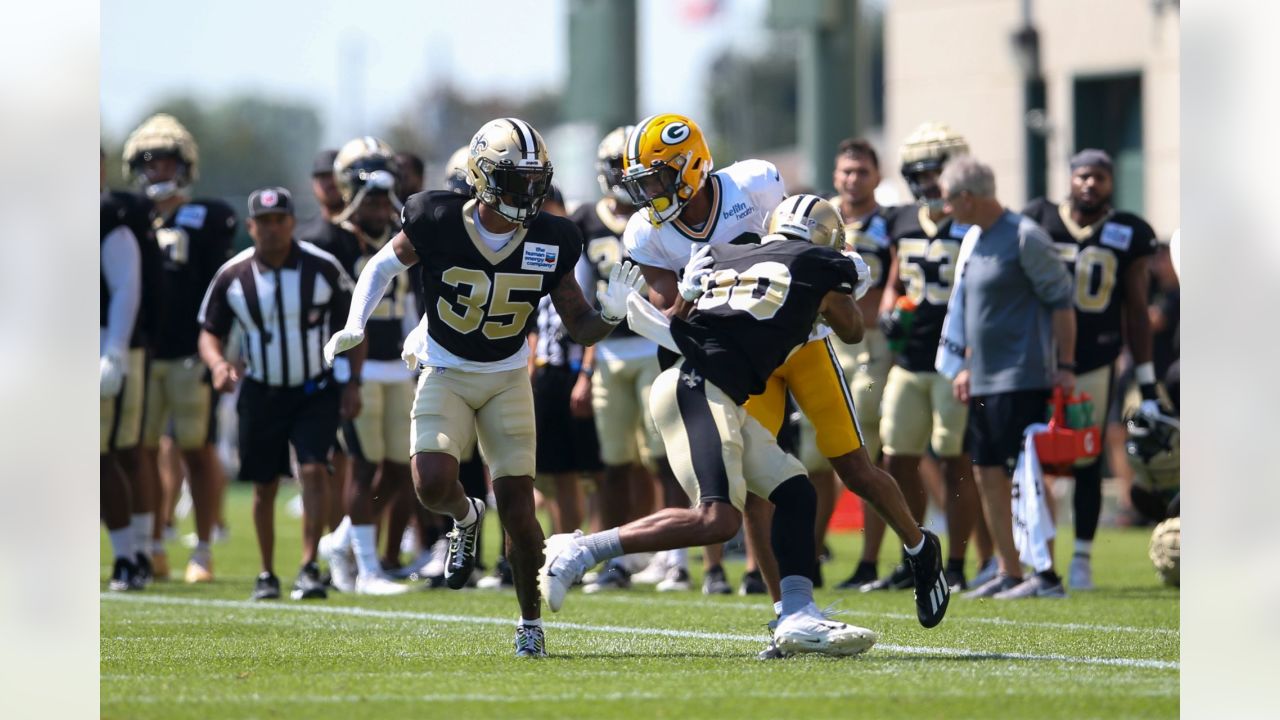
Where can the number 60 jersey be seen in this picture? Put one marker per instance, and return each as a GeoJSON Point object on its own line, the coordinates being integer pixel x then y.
{"type": "Point", "coordinates": [478, 300]}
{"type": "Point", "coordinates": [761, 304]}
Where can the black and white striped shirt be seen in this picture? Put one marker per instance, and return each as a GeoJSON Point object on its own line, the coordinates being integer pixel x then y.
{"type": "Point", "coordinates": [554, 346]}
{"type": "Point", "coordinates": [284, 315]}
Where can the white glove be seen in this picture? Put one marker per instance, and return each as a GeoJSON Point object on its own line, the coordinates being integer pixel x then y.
{"type": "Point", "coordinates": [624, 279]}
{"type": "Point", "coordinates": [111, 371]}
{"type": "Point", "coordinates": [412, 342]}
{"type": "Point", "coordinates": [864, 274]}
{"type": "Point", "coordinates": [342, 341]}
{"type": "Point", "coordinates": [693, 284]}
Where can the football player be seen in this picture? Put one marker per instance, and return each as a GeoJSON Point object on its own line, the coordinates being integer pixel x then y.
{"type": "Point", "coordinates": [486, 261]}
{"type": "Point", "coordinates": [124, 224]}
{"type": "Point", "coordinates": [618, 371]}
{"type": "Point", "coordinates": [376, 437]}
{"type": "Point", "coordinates": [752, 307]}
{"type": "Point", "coordinates": [919, 410]}
{"type": "Point", "coordinates": [195, 237]}
{"type": "Point", "coordinates": [1108, 251]}
{"type": "Point", "coordinates": [668, 173]}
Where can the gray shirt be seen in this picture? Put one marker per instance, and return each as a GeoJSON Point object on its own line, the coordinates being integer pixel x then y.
{"type": "Point", "coordinates": [1012, 283]}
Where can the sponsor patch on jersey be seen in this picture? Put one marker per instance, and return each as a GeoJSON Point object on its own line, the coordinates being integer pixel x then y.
{"type": "Point", "coordinates": [1116, 235]}
{"type": "Point", "coordinates": [878, 231]}
{"type": "Point", "coordinates": [540, 257]}
{"type": "Point", "coordinates": [191, 216]}
{"type": "Point", "coordinates": [959, 229]}
{"type": "Point", "coordinates": [738, 211]}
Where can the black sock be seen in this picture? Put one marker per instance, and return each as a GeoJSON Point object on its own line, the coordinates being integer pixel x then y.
{"type": "Point", "coordinates": [955, 565]}
{"type": "Point", "coordinates": [1087, 500]}
{"type": "Point", "coordinates": [1050, 576]}
{"type": "Point", "coordinates": [795, 505]}
{"type": "Point", "coordinates": [865, 565]}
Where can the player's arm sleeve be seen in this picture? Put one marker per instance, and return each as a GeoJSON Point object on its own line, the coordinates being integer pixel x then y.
{"type": "Point", "coordinates": [216, 315]}
{"type": "Point", "coordinates": [1043, 265]}
{"type": "Point", "coordinates": [122, 269]}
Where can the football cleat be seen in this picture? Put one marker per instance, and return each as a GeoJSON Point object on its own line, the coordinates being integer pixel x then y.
{"type": "Point", "coordinates": [997, 584]}
{"type": "Point", "coordinates": [771, 651]}
{"type": "Point", "coordinates": [307, 586]}
{"type": "Point", "coordinates": [1040, 585]}
{"type": "Point", "coordinates": [956, 581]}
{"type": "Point", "coordinates": [714, 582]}
{"type": "Point", "coordinates": [986, 571]}
{"type": "Point", "coordinates": [378, 584]}
{"type": "Point", "coordinates": [567, 560]}
{"type": "Point", "coordinates": [142, 577]}
{"type": "Point", "coordinates": [752, 584]}
{"type": "Point", "coordinates": [653, 573]}
{"type": "Point", "coordinates": [122, 576]}
{"type": "Point", "coordinates": [865, 573]}
{"type": "Point", "coordinates": [342, 563]}
{"type": "Point", "coordinates": [531, 641]}
{"type": "Point", "coordinates": [900, 579]}
{"type": "Point", "coordinates": [266, 587]}
{"type": "Point", "coordinates": [1080, 573]}
{"type": "Point", "coordinates": [932, 592]}
{"type": "Point", "coordinates": [613, 577]}
{"type": "Point", "coordinates": [809, 630]}
{"type": "Point", "coordinates": [199, 570]}
{"type": "Point", "coordinates": [677, 580]}
{"type": "Point", "coordinates": [461, 558]}
{"type": "Point", "coordinates": [500, 577]}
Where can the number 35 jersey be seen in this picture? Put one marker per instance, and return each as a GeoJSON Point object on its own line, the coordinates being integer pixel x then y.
{"type": "Point", "coordinates": [479, 302]}
{"type": "Point", "coordinates": [761, 302]}
{"type": "Point", "coordinates": [927, 254]}
{"type": "Point", "coordinates": [1098, 257]}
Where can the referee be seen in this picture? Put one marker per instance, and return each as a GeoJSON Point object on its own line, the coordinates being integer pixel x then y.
{"type": "Point", "coordinates": [284, 298]}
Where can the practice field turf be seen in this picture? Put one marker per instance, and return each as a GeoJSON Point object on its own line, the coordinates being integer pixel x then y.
{"type": "Point", "coordinates": [178, 651]}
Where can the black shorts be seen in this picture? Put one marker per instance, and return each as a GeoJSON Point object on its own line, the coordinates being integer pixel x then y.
{"type": "Point", "coordinates": [273, 418]}
{"type": "Point", "coordinates": [996, 422]}
{"type": "Point", "coordinates": [565, 444]}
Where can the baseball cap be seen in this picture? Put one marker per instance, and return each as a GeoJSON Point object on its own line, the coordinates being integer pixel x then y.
{"type": "Point", "coordinates": [323, 164]}
{"type": "Point", "coordinates": [269, 200]}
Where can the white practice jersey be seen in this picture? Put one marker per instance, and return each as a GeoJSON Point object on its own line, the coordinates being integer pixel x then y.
{"type": "Point", "coordinates": [742, 196]}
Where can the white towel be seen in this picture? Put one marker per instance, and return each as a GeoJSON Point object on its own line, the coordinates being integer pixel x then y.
{"type": "Point", "coordinates": [1032, 524]}
{"type": "Point", "coordinates": [950, 359]}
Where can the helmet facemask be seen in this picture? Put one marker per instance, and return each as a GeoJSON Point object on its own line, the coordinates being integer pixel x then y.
{"type": "Point", "coordinates": [514, 192]}
{"type": "Point", "coordinates": [659, 189]}
{"type": "Point", "coordinates": [609, 175]}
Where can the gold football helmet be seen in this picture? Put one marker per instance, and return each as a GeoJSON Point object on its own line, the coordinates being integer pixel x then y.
{"type": "Point", "coordinates": [364, 165]}
{"type": "Point", "coordinates": [161, 135]}
{"type": "Point", "coordinates": [609, 163]}
{"type": "Point", "coordinates": [807, 217]}
{"type": "Point", "coordinates": [455, 171]}
{"type": "Point", "coordinates": [667, 162]}
{"type": "Point", "coordinates": [927, 150]}
{"type": "Point", "coordinates": [508, 165]}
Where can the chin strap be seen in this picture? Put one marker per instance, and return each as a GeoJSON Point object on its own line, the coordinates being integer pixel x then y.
{"type": "Point", "coordinates": [647, 321]}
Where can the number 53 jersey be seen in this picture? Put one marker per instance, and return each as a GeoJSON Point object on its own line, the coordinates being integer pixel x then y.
{"type": "Point", "coordinates": [761, 304]}
{"type": "Point", "coordinates": [479, 301]}
{"type": "Point", "coordinates": [1098, 257]}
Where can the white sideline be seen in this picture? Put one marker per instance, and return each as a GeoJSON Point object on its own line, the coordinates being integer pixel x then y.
{"type": "Point", "coordinates": [617, 630]}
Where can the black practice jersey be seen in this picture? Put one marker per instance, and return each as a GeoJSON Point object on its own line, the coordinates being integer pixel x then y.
{"type": "Point", "coordinates": [195, 241]}
{"type": "Point", "coordinates": [761, 304]}
{"type": "Point", "coordinates": [1098, 257]}
{"type": "Point", "coordinates": [869, 236]}
{"type": "Point", "coordinates": [927, 254]}
{"type": "Point", "coordinates": [603, 248]}
{"type": "Point", "coordinates": [135, 212]}
{"type": "Point", "coordinates": [384, 332]}
{"type": "Point", "coordinates": [480, 302]}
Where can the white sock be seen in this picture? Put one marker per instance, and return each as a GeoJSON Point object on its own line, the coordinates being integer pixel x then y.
{"type": "Point", "coordinates": [603, 545]}
{"type": "Point", "coordinates": [536, 622]}
{"type": "Point", "coordinates": [364, 542]}
{"type": "Point", "coordinates": [470, 518]}
{"type": "Point", "coordinates": [143, 525]}
{"type": "Point", "coordinates": [342, 533]}
{"type": "Point", "coordinates": [202, 552]}
{"type": "Point", "coordinates": [1084, 547]}
{"type": "Point", "coordinates": [777, 608]}
{"type": "Point", "coordinates": [122, 542]}
{"type": "Point", "coordinates": [915, 550]}
{"type": "Point", "coordinates": [797, 593]}
{"type": "Point", "coordinates": [678, 558]}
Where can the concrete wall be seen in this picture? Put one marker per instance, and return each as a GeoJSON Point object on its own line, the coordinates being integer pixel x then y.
{"type": "Point", "coordinates": [953, 61]}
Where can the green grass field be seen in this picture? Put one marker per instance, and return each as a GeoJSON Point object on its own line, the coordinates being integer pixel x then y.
{"type": "Point", "coordinates": [177, 651]}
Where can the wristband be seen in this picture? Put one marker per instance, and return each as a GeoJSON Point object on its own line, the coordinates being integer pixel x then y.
{"type": "Point", "coordinates": [586, 370]}
{"type": "Point", "coordinates": [1067, 365]}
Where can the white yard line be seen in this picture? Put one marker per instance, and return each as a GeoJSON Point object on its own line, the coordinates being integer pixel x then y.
{"type": "Point", "coordinates": [614, 629]}
{"type": "Point", "coordinates": [763, 606]}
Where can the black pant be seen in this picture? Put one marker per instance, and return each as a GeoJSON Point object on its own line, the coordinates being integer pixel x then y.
{"type": "Point", "coordinates": [272, 418]}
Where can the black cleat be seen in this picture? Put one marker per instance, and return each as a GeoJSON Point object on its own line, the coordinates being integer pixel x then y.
{"type": "Point", "coordinates": [142, 577]}
{"type": "Point", "coordinates": [307, 585]}
{"type": "Point", "coordinates": [956, 581]}
{"type": "Point", "coordinates": [461, 560]}
{"type": "Point", "coordinates": [266, 587]}
{"type": "Point", "coordinates": [122, 576]}
{"type": "Point", "coordinates": [900, 579]}
{"type": "Point", "coordinates": [933, 593]}
{"type": "Point", "coordinates": [752, 584]}
{"type": "Point", "coordinates": [865, 573]}
{"type": "Point", "coordinates": [714, 582]}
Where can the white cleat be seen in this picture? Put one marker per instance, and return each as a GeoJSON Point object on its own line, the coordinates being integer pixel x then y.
{"type": "Point", "coordinates": [654, 572]}
{"type": "Point", "coordinates": [811, 631]}
{"type": "Point", "coordinates": [378, 585]}
{"type": "Point", "coordinates": [1080, 574]}
{"type": "Point", "coordinates": [342, 564]}
{"type": "Point", "coordinates": [567, 560]}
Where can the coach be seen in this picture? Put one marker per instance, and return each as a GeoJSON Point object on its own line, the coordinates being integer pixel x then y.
{"type": "Point", "coordinates": [1020, 333]}
{"type": "Point", "coordinates": [285, 298]}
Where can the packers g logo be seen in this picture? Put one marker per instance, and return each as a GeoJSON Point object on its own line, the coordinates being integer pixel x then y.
{"type": "Point", "coordinates": [674, 134]}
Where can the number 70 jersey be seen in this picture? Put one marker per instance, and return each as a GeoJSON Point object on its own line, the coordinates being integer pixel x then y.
{"type": "Point", "coordinates": [761, 303]}
{"type": "Point", "coordinates": [479, 302]}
